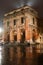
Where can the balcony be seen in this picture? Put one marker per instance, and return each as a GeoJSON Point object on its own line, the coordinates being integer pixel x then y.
{"type": "Point", "coordinates": [32, 25]}
{"type": "Point", "coordinates": [22, 26]}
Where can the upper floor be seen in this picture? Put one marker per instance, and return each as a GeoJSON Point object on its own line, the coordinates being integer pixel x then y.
{"type": "Point", "coordinates": [20, 18]}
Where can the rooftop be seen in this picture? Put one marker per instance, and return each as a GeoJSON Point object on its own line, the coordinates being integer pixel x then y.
{"type": "Point", "coordinates": [23, 9]}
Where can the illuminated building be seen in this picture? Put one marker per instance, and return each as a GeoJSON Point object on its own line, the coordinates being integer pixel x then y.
{"type": "Point", "coordinates": [20, 25]}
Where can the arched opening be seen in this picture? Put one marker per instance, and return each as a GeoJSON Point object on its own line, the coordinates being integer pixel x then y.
{"type": "Point", "coordinates": [15, 37]}
{"type": "Point", "coordinates": [33, 35]}
{"type": "Point", "coordinates": [8, 38]}
{"type": "Point", "coordinates": [22, 35]}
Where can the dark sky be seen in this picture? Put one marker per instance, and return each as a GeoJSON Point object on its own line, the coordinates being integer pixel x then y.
{"type": "Point", "coordinates": [8, 5]}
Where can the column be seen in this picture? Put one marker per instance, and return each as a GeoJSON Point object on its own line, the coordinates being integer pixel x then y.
{"type": "Point", "coordinates": [18, 35]}
{"type": "Point", "coordinates": [27, 30]}
{"type": "Point", "coordinates": [11, 36]}
{"type": "Point", "coordinates": [18, 29]}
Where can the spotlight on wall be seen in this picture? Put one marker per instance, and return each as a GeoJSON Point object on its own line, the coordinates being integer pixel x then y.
{"type": "Point", "coordinates": [1, 30]}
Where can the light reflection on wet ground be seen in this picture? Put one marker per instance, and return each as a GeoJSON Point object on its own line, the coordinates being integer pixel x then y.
{"type": "Point", "coordinates": [18, 55]}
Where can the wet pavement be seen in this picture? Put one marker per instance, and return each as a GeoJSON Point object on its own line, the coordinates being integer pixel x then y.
{"type": "Point", "coordinates": [20, 55]}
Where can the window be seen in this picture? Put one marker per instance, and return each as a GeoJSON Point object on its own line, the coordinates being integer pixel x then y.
{"type": "Point", "coordinates": [14, 22]}
{"type": "Point", "coordinates": [33, 21]}
{"type": "Point", "coordinates": [7, 23]}
{"type": "Point", "coordinates": [22, 20]}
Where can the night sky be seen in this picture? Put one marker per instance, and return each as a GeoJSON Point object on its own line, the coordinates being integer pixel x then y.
{"type": "Point", "coordinates": [9, 5]}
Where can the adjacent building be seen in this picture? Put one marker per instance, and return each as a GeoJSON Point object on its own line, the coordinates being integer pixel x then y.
{"type": "Point", "coordinates": [20, 25]}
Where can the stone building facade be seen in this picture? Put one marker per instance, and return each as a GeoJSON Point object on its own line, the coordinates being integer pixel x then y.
{"type": "Point", "coordinates": [20, 25]}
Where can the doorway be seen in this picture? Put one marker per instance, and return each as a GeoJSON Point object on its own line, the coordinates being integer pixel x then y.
{"type": "Point", "coordinates": [22, 35]}
{"type": "Point", "coordinates": [8, 38]}
{"type": "Point", "coordinates": [15, 37]}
